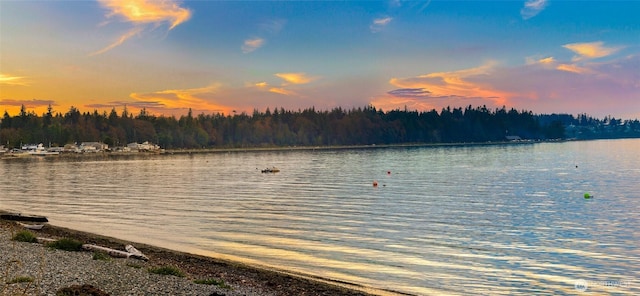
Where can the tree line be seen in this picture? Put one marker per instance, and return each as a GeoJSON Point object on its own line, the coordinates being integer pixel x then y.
{"type": "Point", "coordinates": [309, 127]}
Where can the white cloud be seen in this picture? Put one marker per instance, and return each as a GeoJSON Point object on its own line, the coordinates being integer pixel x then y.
{"type": "Point", "coordinates": [379, 23]}
{"type": "Point", "coordinates": [532, 8]}
{"type": "Point", "coordinates": [252, 44]}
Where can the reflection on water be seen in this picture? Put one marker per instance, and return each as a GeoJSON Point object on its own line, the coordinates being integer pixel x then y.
{"type": "Point", "coordinates": [507, 219]}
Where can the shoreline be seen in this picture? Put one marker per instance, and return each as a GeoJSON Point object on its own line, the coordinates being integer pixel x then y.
{"type": "Point", "coordinates": [163, 152]}
{"type": "Point", "coordinates": [243, 279]}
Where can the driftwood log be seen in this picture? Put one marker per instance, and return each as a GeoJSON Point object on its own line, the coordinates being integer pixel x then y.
{"type": "Point", "coordinates": [131, 251]}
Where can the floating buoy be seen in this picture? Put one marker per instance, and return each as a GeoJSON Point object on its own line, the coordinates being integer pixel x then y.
{"type": "Point", "coordinates": [375, 183]}
{"type": "Point", "coordinates": [587, 195]}
{"type": "Point", "coordinates": [388, 172]}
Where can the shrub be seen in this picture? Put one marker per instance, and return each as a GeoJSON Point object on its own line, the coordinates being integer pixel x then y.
{"type": "Point", "coordinates": [215, 282]}
{"type": "Point", "coordinates": [21, 279]}
{"type": "Point", "coordinates": [66, 244]}
{"type": "Point", "coordinates": [167, 270]}
{"type": "Point", "coordinates": [25, 236]}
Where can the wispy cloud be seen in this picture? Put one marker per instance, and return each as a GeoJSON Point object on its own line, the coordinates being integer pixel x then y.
{"type": "Point", "coordinates": [532, 8]}
{"type": "Point", "coordinates": [378, 24]}
{"type": "Point", "coordinates": [252, 44]}
{"type": "Point", "coordinates": [410, 92]}
{"type": "Point", "coordinates": [292, 81]}
{"type": "Point", "coordinates": [295, 78]}
{"type": "Point", "coordinates": [282, 91]}
{"type": "Point", "coordinates": [13, 80]}
{"type": "Point", "coordinates": [141, 13]}
{"type": "Point", "coordinates": [273, 26]}
{"type": "Point", "coordinates": [174, 100]}
{"type": "Point", "coordinates": [590, 50]}
{"type": "Point", "coordinates": [260, 84]}
{"type": "Point", "coordinates": [120, 41]}
{"type": "Point", "coordinates": [574, 69]}
{"type": "Point", "coordinates": [35, 103]}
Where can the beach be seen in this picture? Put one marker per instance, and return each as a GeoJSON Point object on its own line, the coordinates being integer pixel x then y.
{"type": "Point", "coordinates": [34, 269]}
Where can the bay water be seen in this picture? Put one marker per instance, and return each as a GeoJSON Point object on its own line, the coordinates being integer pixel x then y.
{"type": "Point", "coordinates": [461, 220]}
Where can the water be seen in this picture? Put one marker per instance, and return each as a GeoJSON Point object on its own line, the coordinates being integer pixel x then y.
{"type": "Point", "coordinates": [502, 219]}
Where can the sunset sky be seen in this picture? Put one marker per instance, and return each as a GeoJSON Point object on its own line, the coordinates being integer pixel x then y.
{"type": "Point", "coordinates": [223, 56]}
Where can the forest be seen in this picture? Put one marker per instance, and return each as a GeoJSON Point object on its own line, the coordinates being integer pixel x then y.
{"type": "Point", "coordinates": [308, 127]}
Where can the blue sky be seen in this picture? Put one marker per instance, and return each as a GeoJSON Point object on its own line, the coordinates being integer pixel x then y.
{"type": "Point", "coordinates": [218, 56]}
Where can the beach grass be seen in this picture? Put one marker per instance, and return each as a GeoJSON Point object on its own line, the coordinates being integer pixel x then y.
{"type": "Point", "coordinates": [66, 244]}
{"type": "Point", "coordinates": [215, 282]}
{"type": "Point", "coordinates": [25, 236]}
{"type": "Point", "coordinates": [167, 270]}
{"type": "Point", "coordinates": [101, 256]}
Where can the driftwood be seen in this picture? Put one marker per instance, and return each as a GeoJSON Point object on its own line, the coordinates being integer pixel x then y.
{"type": "Point", "coordinates": [116, 253]}
{"type": "Point", "coordinates": [131, 252]}
{"type": "Point", "coordinates": [135, 253]}
{"type": "Point", "coordinates": [111, 252]}
{"type": "Point", "coordinates": [44, 240]}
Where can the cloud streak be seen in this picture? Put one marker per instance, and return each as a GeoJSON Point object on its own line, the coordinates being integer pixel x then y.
{"type": "Point", "coordinates": [12, 80]}
{"type": "Point", "coordinates": [378, 24]}
{"type": "Point", "coordinates": [142, 13]}
{"type": "Point", "coordinates": [295, 78]}
{"type": "Point", "coordinates": [252, 44]}
{"type": "Point", "coordinates": [35, 103]}
{"type": "Point", "coordinates": [532, 8]}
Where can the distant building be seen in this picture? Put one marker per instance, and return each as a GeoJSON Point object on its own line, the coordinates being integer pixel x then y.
{"type": "Point", "coordinates": [71, 148]}
{"type": "Point", "coordinates": [145, 146]}
{"type": "Point", "coordinates": [93, 146]}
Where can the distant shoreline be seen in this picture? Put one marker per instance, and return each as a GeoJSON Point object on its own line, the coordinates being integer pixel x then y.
{"type": "Point", "coordinates": [162, 152]}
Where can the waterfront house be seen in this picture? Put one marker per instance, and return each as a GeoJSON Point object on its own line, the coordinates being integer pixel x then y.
{"type": "Point", "coordinates": [93, 147]}
{"type": "Point", "coordinates": [145, 146]}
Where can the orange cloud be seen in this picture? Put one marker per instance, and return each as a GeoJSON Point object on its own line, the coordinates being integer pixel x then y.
{"type": "Point", "coordinates": [574, 69]}
{"type": "Point", "coordinates": [282, 91]}
{"type": "Point", "coordinates": [590, 50]}
{"type": "Point", "coordinates": [141, 12]}
{"type": "Point", "coordinates": [261, 84]}
{"type": "Point", "coordinates": [295, 78]}
{"type": "Point", "coordinates": [12, 80]}
{"type": "Point", "coordinates": [148, 11]}
{"type": "Point", "coordinates": [177, 99]}
{"type": "Point", "coordinates": [446, 86]}
{"type": "Point", "coordinates": [547, 61]}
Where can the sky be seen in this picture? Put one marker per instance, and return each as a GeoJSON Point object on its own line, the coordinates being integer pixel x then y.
{"type": "Point", "coordinates": [229, 57]}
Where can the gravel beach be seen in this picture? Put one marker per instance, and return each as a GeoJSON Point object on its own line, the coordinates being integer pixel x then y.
{"type": "Point", "coordinates": [34, 269]}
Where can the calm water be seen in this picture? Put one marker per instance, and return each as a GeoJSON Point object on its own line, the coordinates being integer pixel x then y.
{"type": "Point", "coordinates": [505, 219]}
